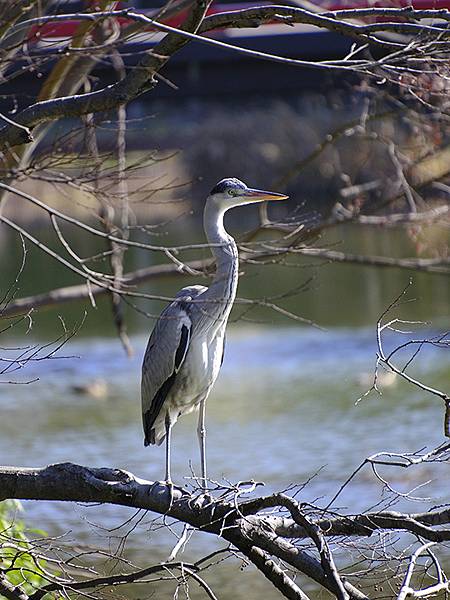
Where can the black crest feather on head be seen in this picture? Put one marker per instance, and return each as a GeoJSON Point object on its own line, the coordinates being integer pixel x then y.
{"type": "Point", "coordinates": [226, 184]}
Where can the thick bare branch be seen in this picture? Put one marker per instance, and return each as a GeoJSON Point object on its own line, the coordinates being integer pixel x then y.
{"type": "Point", "coordinates": [331, 21]}
{"type": "Point", "coordinates": [70, 482]}
{"type": "Point", "coordinates": [366, 524]}
{"type": "Point", "coordinates": [430, 265]}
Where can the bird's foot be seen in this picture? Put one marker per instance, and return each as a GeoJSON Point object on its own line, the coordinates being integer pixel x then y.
{"type": "Point", "coordinates": [166, 487]}
{"type": "Point", "coordinates": [204, 494]}
{"type": "Point", "coordinates": [208, 498]}
{"type": "Point", "coordinates": [205, 497]}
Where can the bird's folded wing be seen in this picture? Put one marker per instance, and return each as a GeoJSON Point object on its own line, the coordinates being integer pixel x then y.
{"type": "Point", "coordinates": [166, 351]}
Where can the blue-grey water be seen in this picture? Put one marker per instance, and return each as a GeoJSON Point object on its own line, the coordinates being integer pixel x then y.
{"type": "Point", "coordinates": [283, 410]}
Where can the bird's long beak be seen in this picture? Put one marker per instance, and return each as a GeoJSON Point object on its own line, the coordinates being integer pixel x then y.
{"type": "Point", "coordinates": [261, 195]}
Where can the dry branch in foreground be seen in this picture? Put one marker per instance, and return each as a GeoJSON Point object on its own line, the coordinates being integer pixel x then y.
{"type": "Point", "coordinates": [266, 530]}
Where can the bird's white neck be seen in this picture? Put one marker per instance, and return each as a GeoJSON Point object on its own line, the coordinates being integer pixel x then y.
{"type": "Point", "coordinates": [225, 252]}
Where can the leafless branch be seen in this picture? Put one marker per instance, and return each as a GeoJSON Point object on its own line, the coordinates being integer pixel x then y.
{"type": "Point", "coordinates": [386, 358]}
{"type": "Point", "coordinates": [143, 78]}
{"type": "Point", "coordinates": [407, 591]}
{"type": "Point", "coordinates": [75, 483]}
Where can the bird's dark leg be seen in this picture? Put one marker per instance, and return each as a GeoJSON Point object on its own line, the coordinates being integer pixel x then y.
{"type": "Point", "coordinates": [168, 425]}
{"type": "Point", "coordinates": [201, 432]}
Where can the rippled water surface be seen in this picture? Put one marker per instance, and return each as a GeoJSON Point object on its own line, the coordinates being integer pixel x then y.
{"type": "Point", "coordinates": [283, 409]}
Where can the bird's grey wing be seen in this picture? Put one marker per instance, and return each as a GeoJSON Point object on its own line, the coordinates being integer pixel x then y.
{"type": "Point", "coordinates": [164, 356]}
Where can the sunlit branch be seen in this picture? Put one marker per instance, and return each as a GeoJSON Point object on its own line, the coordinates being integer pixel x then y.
{"type": "Point", "coordinates": [69, 482]}
{"type": "Point", "coordinates": [80, 292]}
{"type": "Point", "coordinates": [407, 591]}
{"type": "Point", "coordinates": [387, 358]}
{"type": "Point", "coordinates": [167, 250]}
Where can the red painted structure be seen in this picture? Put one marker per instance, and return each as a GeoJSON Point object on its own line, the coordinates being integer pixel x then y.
{"type": "Point", "coordinates": [66, 29]}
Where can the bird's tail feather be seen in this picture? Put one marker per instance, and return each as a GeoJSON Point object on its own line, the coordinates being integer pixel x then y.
{"type": "Point", "coordinates": [151, 438]}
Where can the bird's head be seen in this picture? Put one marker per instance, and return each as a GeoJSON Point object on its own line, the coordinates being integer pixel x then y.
{"type": "Point", "coordinates": [232, 192]}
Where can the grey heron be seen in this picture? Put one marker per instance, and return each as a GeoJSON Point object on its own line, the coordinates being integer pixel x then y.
{"type": "Point", "coordinates": [185, 350]}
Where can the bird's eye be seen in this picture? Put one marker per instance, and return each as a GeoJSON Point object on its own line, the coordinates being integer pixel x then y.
{"type": "Point", "coordinates": [231, 192]}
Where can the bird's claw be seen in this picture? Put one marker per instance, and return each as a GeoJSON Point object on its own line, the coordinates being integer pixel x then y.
{"type": "Point", "coordinates": [203, 499]}
{"type": "Point", "coordinates": [166, 486]}
{"type": "Point", "coordinates": [208, 498]}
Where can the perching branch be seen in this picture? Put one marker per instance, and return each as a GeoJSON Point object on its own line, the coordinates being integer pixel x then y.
{"type": "Point", "coordinates": [253, 527]}
{"type": "Point", "coordinates": [70, 482]}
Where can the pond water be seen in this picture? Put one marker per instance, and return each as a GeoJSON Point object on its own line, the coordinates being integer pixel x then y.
{"type": "Point", "coordinates": [284, 408]}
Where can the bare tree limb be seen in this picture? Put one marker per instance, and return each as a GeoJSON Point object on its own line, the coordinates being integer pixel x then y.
{"type": "Point", "coordinates": [142, 78]}
{"type": "Point", "coordinates": [70, 482]}
{"type": "Point", "coordinates": [430, 265]}
{"type": "Point", "coordinates": [366, 524]}
{"type": "Point", "coordinates": [257, 537]}
{"type": "Point", "coordinates": [111, 580]}
{"type": "Point", "coordinates": [82, 291]}
{"type": "Point", "coordinates": [407, 591]}
{"type": "Point", "coordinates": [137, 80]}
